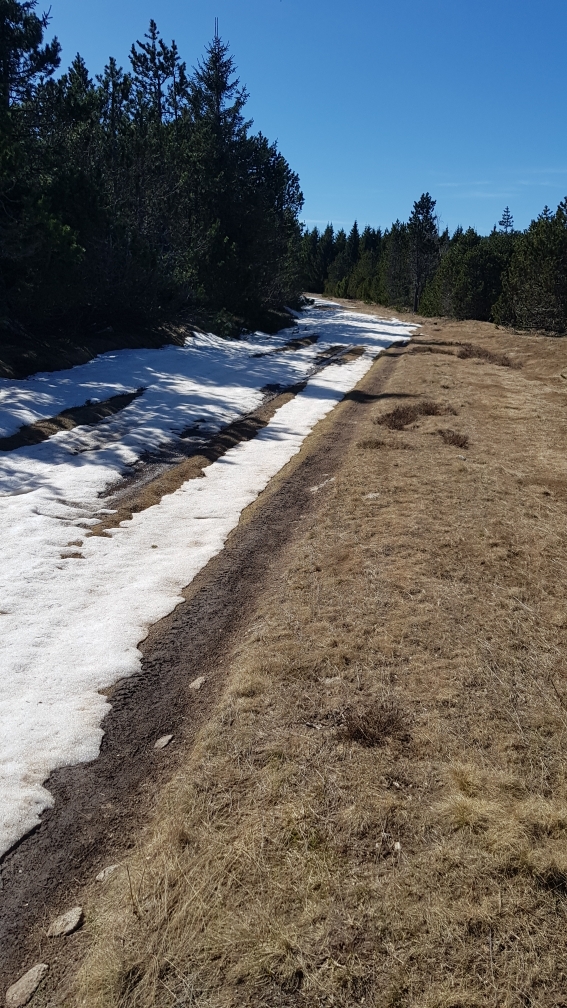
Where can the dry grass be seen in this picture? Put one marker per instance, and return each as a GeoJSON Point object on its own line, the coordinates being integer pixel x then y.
{"type": "Point", "coordinates": [375, 725]}
{"type": "Point", "coordinates": [420, 348]}
{"type": "Point", "coordinates": [453, 438]}
{"type": "Point", "coordinates": [422, 608]}
{"type": "Point", "coordinates": [402, 416]}
{"type": "Point", "coordinates": [469, 350]}
{"type": "Point", "coordinates": [371, 443]}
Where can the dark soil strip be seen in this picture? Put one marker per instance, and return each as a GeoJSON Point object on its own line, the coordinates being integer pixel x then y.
{"type": "Point", "coordinates": [89, 414]}
{"type": "Point", "coordinates": [99, 806]}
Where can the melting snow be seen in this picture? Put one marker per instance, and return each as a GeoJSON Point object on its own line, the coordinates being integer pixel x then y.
{"type": "Point", "coordinates": [71, 626]}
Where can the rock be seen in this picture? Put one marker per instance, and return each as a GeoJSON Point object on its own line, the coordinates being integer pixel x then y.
{"type": "Point", "coordinates": [20, 993]}
{"type": "Point", "coordinates": [106, 873]}
{"type": "Point", "coordinates": [197, 683]}
{"type": "Point", "coordinates": [163, 741]}
{"type": "Point", "coordinates": [66, 923]}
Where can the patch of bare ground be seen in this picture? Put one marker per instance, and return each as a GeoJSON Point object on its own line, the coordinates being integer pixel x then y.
{"type": "Point", "coordinates": [376, 811]}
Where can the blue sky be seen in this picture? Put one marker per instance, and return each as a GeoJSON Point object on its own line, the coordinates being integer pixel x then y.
{"type": "Point", "coordinates": [374, 103]}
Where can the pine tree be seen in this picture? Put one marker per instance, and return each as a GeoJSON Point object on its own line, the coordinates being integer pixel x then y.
{"type": "Point", "coordinates": [216, 97]}
{"type": "Point", "coordinates": [150, 73]}
{"type": "Point", "coordinates": [424, 245]}
{"type": "Point", "coordinates": [506, 224]}
{"type": "Point", "coordinates": [114, 88]}
{"type": "Point", "coordinates": [178, 89]}
{"type": "Point", "coordinates": [23, 57]}
{"type": "Point", "coordinates": [353, 244]}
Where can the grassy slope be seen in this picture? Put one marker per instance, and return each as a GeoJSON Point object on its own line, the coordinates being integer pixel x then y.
{"type": "Point", "coordinates": [292, 863]}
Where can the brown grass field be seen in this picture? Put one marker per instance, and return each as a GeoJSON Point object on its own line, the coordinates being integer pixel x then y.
{"type": "Point", "coordinates": [376, 812]}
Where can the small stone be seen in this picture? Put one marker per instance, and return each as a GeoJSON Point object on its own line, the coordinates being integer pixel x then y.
{"type": "Point", "coordinates": [197, 683]}
{"type": "Point", "coordinates": [163, 741]}
{"type": "Point", "coordinates": [66, 923]}
{"type": "Point", "coordinates": [20, 993]}
{"type": "Point", "coordinates": [106, 873]}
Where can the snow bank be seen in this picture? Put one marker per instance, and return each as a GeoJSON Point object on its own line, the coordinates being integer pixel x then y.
{"type": "Point", "coordinates": [70, 626]}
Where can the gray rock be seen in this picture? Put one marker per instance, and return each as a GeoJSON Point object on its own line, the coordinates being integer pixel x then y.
{"type": "Point", "coordinates": [197, 683]}
{"type": "Point", "coordinates": [163, 741]}
{"type": "Point", "coordinates": [106, 873]}
{"type": "Point", "coordinates": [66, 923]}
{"type": "Point", "coordinates": [23, 990]}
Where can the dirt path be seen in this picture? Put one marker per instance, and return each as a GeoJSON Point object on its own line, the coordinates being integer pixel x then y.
{"type": "Point", "coordinates": [101, 806]}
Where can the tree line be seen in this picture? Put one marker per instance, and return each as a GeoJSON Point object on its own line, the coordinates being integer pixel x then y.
{"type": "Point", "coordinates": [511, 277]}
{"type": "Point", "coordinates": [138, 192]}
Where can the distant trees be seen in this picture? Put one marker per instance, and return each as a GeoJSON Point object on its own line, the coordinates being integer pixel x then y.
{"type": "Point", "coordinates": [138, 192]}
{"type": "Point", "coordinates": [534, 294]}
{"type": "Point", "coordinates": [512, 277]}
{"type": "Point", "coordinates": [468, 281]}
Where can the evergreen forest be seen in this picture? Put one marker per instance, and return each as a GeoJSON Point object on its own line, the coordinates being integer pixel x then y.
{"type": "Point", "coordinates": [136, 194]}
{"type": "Point", "coordinates": [510, 277]}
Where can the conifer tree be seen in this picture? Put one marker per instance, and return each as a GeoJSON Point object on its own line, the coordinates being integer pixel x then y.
{"type": "Point", "coordinates": [23, 57]}
{"type": "Point", "coordinates": [424, 245]}
{"type": "Point", "coordinates": [150, 71]}
{"type": "Point", "coordinates": [506, 223]}
{"type": "Point", "coordinates": [353, 244]}
{"type": "Point", "coordinates": [114, 93]}
{"type": "Point", "coordinates": [216, 96]}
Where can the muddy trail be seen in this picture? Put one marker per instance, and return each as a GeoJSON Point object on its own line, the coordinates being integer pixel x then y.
{"type": "Point", "coordinates": [100, 805]}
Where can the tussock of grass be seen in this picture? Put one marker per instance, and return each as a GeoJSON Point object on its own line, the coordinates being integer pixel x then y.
{"type": "Point", "coordinates": [372, 443]}
{"type": "Point", "coordinates": [401, 416]}
{"type": "Point", "coordinates": [374, 726]}
{"type": "Point", "coordinates": [451, 437]}
{"type": "Point", "coordinates": [469, 350]}
{"type": "Point", "coordinates": [291, 862]}
{"type": "Point", "coordinates": [430, 349]}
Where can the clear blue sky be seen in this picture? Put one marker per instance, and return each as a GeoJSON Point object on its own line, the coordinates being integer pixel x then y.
{"type": "Point", "coordinates": [373, 103]}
